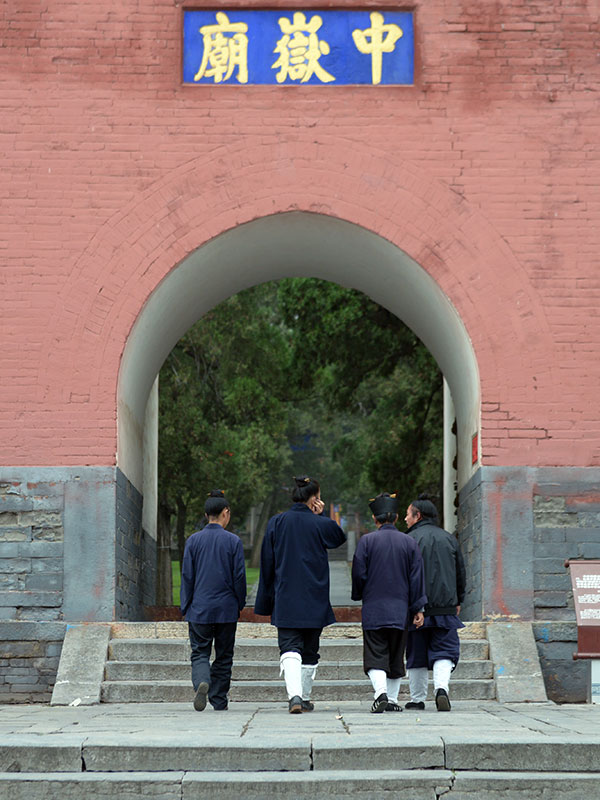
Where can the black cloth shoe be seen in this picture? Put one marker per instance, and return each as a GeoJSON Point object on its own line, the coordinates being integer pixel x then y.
{"type": "Point", "coordinates": [200, 698]}
{"type": "Point", "coordinates": [415, 705]}
{"type": "Point", "coordinates": [379, 704]}
{"type": "Point", "coordinates": [295, 705]}
{"type": "Point", "coordinates": [393, 706]}
{"type": "Point", "coordinates": [307, 705]}
{"type": "Point", "coordinates": [442, 700]}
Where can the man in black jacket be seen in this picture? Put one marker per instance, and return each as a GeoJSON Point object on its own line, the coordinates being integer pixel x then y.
{"type": "Point", "coordinates": [436, 644]}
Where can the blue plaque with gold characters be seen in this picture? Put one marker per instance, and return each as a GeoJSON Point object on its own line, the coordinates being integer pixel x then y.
{"type": "Point", "coordinates": [290, 48]}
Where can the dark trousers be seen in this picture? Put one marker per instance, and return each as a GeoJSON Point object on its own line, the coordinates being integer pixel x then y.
{"type": "Point", "coordinates": [383, 648]}
{"type": "Point", "coordinates": [217, 674]}
{"type": "Point", "coordinates": [425, 646]}
{"type": "Point", "coordinates": [300, 640]}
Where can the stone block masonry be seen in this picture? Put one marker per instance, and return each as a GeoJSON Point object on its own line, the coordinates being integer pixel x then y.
{"type": "Point", "coordinates": [29, 658]}
{"type": "Point", "coordinates": [31, 550]}
{"type": "Point", "coordinates": [566, 525]}
{"type": "Point", "coordinates": [72, 546]}
{"type": "Point", "coordinates": [135, 553]}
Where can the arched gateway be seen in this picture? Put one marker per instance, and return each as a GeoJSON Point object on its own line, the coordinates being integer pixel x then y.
{"type": "Point", "coordinates": [215, 227]}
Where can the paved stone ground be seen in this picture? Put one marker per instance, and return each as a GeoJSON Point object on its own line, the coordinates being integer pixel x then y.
{"type": "Point", "coordinates": [480, 751]}
{"type": "Point", "coordinates": [343, 735]}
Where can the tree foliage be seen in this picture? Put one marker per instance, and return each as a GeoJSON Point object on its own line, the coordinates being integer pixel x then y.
{"type": "Point", "coordinates": [377, 379]}
{"type": "Point", "coordinates": [291, 377]}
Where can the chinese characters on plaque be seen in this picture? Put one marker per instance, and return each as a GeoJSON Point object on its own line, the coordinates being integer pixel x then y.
{"type": "Point", "coordinates": [241, 47]}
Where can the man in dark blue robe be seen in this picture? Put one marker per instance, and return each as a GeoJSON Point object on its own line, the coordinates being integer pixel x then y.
{"type": "Point", "coordinates": [213, 592]}
{"type": "Point", "coordinates": [294, 586]}
{"type": "Point", "coordinates": [435, 645]}
{"type": "Point", "coordinates": [387, 575]}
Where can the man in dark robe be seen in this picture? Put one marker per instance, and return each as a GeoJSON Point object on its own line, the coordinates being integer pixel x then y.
{"type": "Point", "coordinates": [435, 645]}
{"type": "Point", "coordinates": [294, 586]}
{"type": "Point", "coordinates": [387, 575]}
{"type": "Point", "coordinates": [213, 592]}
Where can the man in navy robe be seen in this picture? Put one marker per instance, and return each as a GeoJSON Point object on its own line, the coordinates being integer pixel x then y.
{"type": "Point", "coordinates": [388, 576]}
{"type": "Point", "coordinates": [435, 645]}
{"type": "Point", "coordinates": [213, 592]}
{"type": "Point", "coordinates": [294, 586]}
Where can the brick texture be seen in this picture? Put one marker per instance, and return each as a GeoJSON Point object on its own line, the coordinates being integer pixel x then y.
{"type": "Point", "coordinates": [486, 172]}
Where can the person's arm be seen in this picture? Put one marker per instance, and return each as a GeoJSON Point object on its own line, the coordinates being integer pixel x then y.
{"type": "Point", "coordinates": [417, 597]}
{"type": "Point", "coordinates": [265, 596]}
{"type": "Point", "coordinates": [187, 579]}
{"type": "Point", "coordinates": [359, 570]}
{"type": "Point", "coordinates": [239, 574]}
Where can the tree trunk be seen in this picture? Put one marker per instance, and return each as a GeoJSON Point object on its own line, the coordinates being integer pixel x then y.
{"type": "Point", "coordinates": [164, 577]}
{"type": "Point", "coordinates": [265, 515]}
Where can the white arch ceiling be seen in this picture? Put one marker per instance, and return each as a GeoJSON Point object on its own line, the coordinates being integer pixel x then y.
{"type": "Point", "coordinates": [284, 245]}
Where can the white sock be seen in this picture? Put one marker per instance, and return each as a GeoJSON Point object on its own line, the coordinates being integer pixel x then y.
{"type": "Point", "coordinates": [291, 666]}
{"type": "Point", "coordinates": [417, 682]}
{"type": "Point", "coordinates": [441, 673]}
{"type": "Point", "coordinates": [393, 687]}
{"type": "Point", "coordinates": [308, 676]}
{"type": "Point", "coordinates": [379, 680]}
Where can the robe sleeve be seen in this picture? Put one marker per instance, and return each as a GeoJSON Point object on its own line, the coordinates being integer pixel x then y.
{"type": "Point", "coordinates": [265, 596]}
{"type": "Point", "coordinates": [332, 535]}
{"type": "Point", "coordinates": [239, 574]}
{"type": "Point", "coordinates": [359, 570]}
{"type": "Point", "coordinates": [187, 580]}
{"type": "Point", "coordinates": [461, 576]}
{"type": "Point", "coordinates": [417, 598]}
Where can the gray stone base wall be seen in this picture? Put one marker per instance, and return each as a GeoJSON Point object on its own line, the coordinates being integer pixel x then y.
{"type": "Point", "coordinates": [72, 546]}
{"type": "Point", "coordinates": [469, 536]}
{"type": "Point", "coordinates": [135, 555]}
{"type": "Point", "coordinates": [566, 524]}
{"type": "Point", "coordinates": [29, 656]}
{"type": "Point", "coordinates": [31, 549]}
{"type": "Point", "coordinates": [566, 680]}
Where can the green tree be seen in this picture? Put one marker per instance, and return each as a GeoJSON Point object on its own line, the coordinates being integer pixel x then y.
{"type": "Point", "coordinates": [376, 379]}
{"type": "Point", "coordinates": [300, 376]}
{"type": "Point", "coordinates": [223, 411]}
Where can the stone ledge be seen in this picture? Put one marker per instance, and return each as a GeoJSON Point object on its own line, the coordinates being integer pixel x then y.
{"type": "Point", "coordinates": [38, 631]}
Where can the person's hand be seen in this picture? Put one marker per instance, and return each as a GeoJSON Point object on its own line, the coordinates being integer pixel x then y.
{"type": "Point", "coordinates": [418, 619]}
{"type": "Point", "coordinates": [316, 505]}
{"type": "Point", "coordinates": [457, 610]}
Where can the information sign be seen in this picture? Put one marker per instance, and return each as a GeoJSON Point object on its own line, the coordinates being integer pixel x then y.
{"type": "Point", "coordinates": [585, 580]}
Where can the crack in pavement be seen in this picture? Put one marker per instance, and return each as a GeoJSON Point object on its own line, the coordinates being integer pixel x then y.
{"type": "Point", "coordinates": [247, 725]}
{"type": "Point", "coordinates": [345, 725]}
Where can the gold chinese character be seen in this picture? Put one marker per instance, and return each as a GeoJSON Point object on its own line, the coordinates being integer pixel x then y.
{"type": "Point", "coordinates": [300, 50]}
{"type": "Point", "coordinates": [382, 38]}
{"type": "Point", "coordinates": [222, 52]}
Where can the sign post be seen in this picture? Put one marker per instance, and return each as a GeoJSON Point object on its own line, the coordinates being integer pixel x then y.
{"type": "Point", "coordinates": [585, 580]}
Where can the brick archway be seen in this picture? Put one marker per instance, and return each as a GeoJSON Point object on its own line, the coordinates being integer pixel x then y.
{"type": "Point", "coordinates": [135, 251]}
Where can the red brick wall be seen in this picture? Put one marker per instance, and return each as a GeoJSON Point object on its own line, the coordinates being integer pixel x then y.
{"type": "Point", "coordinates": [486, 172]}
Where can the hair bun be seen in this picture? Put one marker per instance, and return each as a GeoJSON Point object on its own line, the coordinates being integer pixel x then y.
{"type": "Point", "coordinates": [302, 480]}
{"type": "Point", "coordinates": [216, 493]}
{"type": "Point", "coordinates": [424, 496]}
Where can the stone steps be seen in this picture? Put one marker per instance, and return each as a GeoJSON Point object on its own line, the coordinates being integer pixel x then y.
{"type": "Point", "coordinates": [158, 670]}
{"type": "Point", "coordinates": [397, 739]}
{"type": "Point", "coordinates": [259, 670]}
{"type": "Point", "coordinates": [333, 784]}
{"type": "Point", "coordinates": [260, 650]}
{"type": "Point", "coordinates": [268, 691]}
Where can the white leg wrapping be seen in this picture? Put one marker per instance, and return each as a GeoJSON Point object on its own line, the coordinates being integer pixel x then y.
{"type": "Point", "coordinates": [291, 666]}
{"type": "Point", "coordinates": [441, 673]}
{"type": "Point", "coordinates": [417, 681]}
{"type": "Point", "coordinates": [308, 676]}
{"type": "Point", "coordinates": [393, 687]}
{"type": "Point", "coordinates": [379, 680]}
